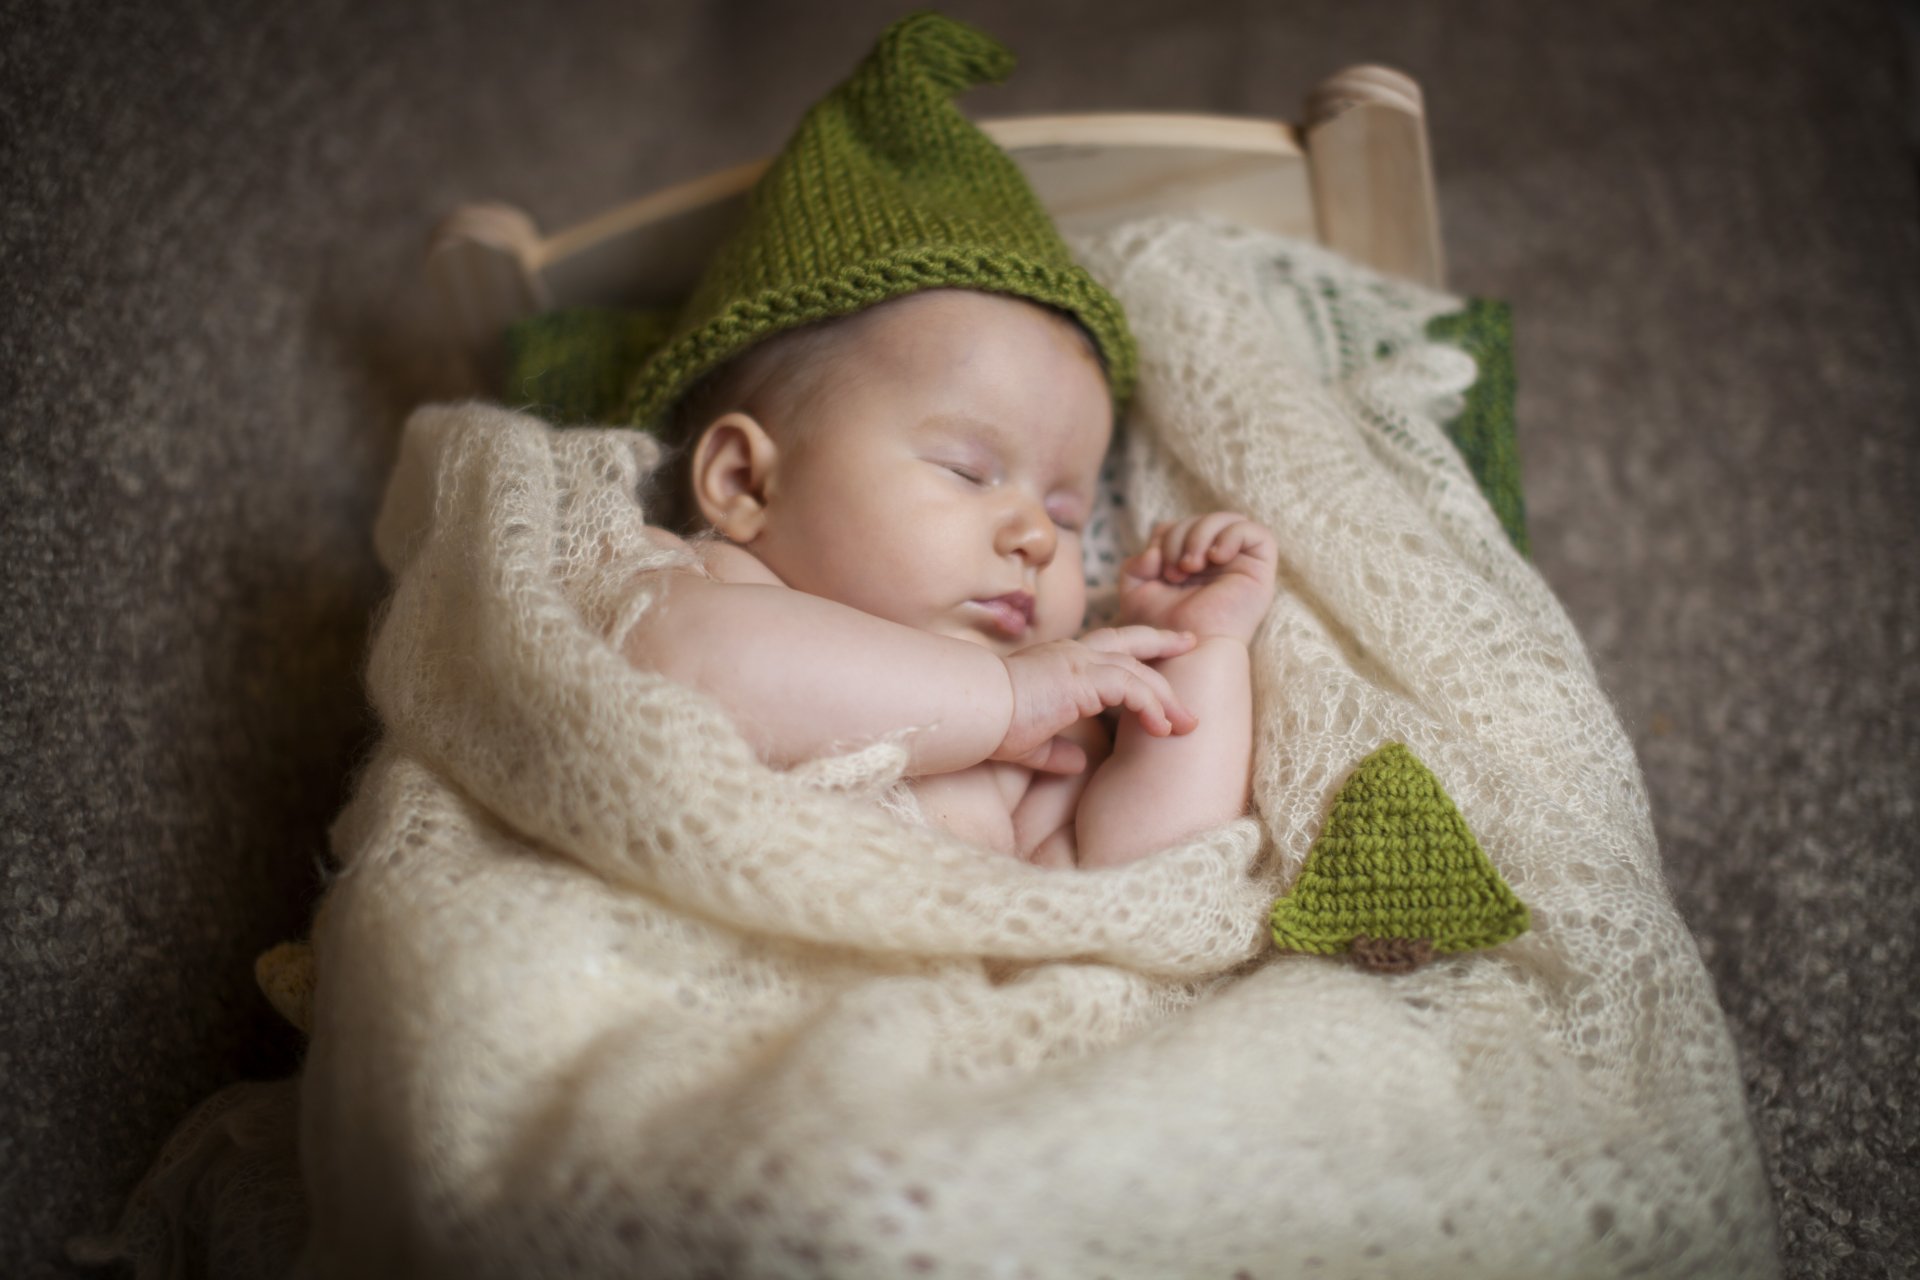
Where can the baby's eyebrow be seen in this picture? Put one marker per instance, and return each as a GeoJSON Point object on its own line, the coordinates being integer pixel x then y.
{"type": "Point", "coordinates": [967, 425]}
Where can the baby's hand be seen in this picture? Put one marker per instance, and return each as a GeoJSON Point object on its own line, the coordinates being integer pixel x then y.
{"type": "Point", "coordinates": [1211, 575]}
{"type": "Point", "coordinates": [1059, 683]}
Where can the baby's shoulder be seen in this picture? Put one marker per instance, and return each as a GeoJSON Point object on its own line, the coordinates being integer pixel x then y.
{"type": "Point", "coordinates": [709, 557]}
{"type": "Point", "coordinates": [669, 578]}
{"type": "Point", "coordinates": [664, 551]}
{"type": "Point", "coordinates": [665, 540]}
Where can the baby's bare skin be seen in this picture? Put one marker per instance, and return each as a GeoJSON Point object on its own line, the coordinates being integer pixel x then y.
{"type": "Point", "coordinates": [904, 555]}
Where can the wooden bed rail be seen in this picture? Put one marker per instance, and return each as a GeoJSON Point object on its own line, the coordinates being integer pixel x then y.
{"type": "Point", "coordinates": [1356, 176]}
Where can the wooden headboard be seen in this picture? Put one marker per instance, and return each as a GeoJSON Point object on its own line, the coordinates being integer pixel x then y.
{"type": "Point", "coordinates": [1355, 176]}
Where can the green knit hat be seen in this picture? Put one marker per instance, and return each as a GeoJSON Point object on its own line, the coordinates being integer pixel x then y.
{"type": "Point", "coordinates": [884, 190]}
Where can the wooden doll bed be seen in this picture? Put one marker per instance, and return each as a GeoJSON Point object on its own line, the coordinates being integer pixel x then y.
{"type": "Point", "coordinates": [1355, 176]}
{"type": "Point", "coordinates": [587, 1010]}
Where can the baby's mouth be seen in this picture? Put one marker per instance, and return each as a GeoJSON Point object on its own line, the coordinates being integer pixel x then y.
{"type": "Point", "coordinates": [1010, 614]}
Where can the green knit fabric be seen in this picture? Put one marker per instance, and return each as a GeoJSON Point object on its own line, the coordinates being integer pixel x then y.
{"type": "Point", "coordinates": [885, 189]}
{"type": "Point", "coordinates": [1396, 861]}
{"type": "Point", "coordinates": [573, 368]}
{"type": "Point", "coordinates": [1484, 430]}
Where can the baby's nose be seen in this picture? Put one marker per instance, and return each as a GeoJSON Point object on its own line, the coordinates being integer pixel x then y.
{"type": "Point", "coordinates": [1029, 534]}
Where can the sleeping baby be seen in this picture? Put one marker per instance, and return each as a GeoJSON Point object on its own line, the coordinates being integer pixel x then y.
{"type": "Point", "coordinates": [898, 500]}
{"type": "Point", "coordinates": [892, 391]}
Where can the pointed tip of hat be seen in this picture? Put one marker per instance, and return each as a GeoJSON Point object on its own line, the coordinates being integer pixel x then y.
{"type": "Point", "coordinates": [951, 53]}
{"type": "Point", "coordinates": [886, 188]}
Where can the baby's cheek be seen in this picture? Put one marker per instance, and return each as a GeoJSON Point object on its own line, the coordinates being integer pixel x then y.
{"type": "Point", "coordinates": [1063, 598]}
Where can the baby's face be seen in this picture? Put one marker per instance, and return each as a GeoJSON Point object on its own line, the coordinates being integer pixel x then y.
{"type": "Point", "coordinates": [943, 479]}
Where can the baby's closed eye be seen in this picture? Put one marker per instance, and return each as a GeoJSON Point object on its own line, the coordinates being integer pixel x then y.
{"type": "Point", "coordinates": [973, 470]}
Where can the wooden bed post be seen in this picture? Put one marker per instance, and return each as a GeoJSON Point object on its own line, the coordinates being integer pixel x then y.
{"type": "Point", "coordinates": [1373, 197]}
{"type": "Point", "coordinates": [483, 269]}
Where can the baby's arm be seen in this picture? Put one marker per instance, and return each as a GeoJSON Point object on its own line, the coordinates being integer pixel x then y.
{"type": "Point", "coordinates": [803, 677]}
{"type": "Point", "coordinates": [1044, 820]}
{"type": "Point", "coordinates": [1213, 575]}
{"type": "Point", "coordinates": [1147, 797]}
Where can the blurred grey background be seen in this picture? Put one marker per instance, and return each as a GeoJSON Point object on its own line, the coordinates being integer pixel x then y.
{"type": "Point", "coordinates": [1704, 213]}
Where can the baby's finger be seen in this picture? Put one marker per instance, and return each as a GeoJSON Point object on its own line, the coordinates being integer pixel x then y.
{"type": "Point", "coordinates": [1118, 687]}
{"type": "Point", "coordinates": [1172, 538]}
{"type": "Point", "coordinates": [1143, 704]}
{"type": "Point", "coordinates": [1194, 553]}
{"type": "Point", "coordinates": [1231, 541]}
{"type": "Point", "coordinates": [1148, 694]}
{"type": "Point", "coordinates": [1148, 644]}
{"type": "Point", "coordinates": [1246, 537]}
{"type": "Point", "coordinates": [1144, 567]}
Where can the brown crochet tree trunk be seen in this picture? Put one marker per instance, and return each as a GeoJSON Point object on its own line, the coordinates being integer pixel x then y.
{"type": "Point", "coordinates": [1390, 955]}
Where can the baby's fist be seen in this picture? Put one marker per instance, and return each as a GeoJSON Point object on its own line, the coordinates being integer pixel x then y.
{"type": "Point", "coordinates": [1057, 684]}
{"type": "Point", "coordinates": [1211, 575]}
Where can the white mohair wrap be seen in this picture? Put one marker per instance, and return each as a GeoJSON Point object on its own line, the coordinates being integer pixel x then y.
{"type": "Point", "coordinates": [600, 994]}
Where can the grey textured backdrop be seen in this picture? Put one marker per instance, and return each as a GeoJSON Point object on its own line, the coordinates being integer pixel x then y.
{"type": "Point", "coordinates": [1705, 214]}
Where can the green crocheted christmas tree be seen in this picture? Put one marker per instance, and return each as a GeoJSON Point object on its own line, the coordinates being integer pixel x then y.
{"type": "Point", "coordinates": [1395, 876]}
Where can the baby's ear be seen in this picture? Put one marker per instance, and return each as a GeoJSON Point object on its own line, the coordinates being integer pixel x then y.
{"type": "Point", "coordinates": [732, 466]}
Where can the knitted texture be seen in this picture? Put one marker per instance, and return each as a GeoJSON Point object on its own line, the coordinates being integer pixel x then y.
{"type": "Point", "coordinates": [1396, 862]}
{"type": "Point", "coordinates": [884, 190]}
{"type": "Point", "coordinates": [602, 995]}
{"type": "Point", "coordinates": [574, 367]}
{"type": "Point", "coordinates": [1485, 428]}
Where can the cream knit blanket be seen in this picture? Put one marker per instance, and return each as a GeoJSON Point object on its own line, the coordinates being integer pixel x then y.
{"type": "Point", "coordinates": [600, 994]}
